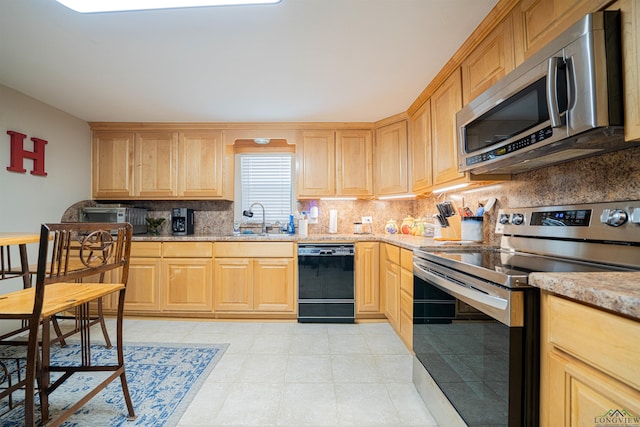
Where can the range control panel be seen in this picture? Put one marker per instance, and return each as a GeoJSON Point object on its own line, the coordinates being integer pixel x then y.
{"type": "Point", "coordinates": [608, 221]}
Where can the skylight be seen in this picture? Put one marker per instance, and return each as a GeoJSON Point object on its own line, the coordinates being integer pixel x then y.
{"type": "Point", "coordinates": [94, 6]}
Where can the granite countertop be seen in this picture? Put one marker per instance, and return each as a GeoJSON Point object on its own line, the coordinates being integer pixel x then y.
{"type": "Point", "coordinates": [616, 291]}
{"type": "Point", "coordinates": [401, 240]}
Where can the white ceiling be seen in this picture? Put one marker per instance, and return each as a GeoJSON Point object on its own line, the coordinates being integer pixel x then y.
{"type": "Point", "coordinates": [300, 60]}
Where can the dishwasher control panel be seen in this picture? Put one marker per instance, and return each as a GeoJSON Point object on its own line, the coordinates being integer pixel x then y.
{"type": "Point", "coordinates": [326, 250]}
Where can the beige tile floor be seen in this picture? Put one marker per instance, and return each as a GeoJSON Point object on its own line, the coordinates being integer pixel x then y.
{"type": "Point", "coordinates": [291, 374]}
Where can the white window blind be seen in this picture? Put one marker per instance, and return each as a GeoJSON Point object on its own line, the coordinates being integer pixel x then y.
{"type": "Point", "coordinates": [267, 179]}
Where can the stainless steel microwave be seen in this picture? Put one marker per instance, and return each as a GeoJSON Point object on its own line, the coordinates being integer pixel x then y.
{"type": "Point", "coordinates": [116, 213]}
{"type": "Point", "coordinates": [563, 103]}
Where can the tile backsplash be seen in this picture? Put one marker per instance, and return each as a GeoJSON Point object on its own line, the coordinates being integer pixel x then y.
{"type": "Point", "coordinates": [613, 176]}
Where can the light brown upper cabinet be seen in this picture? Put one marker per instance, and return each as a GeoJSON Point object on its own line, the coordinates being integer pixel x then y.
{"type": "Point", "coordinates": [540, 21]}
{"type": "Point", "coordinates": [316, 164]}
{"type": "Point", "coordinates": [391, 159]}
{"type": "Point", "coordinates": [420, 149]}
{"type": "Point", "coordinates": [445, 103]}
{"type": "Point", "coordinates": [162, 165]}
{"type": "Point", "coordinates": [201, 159]}
{"type": "Point", "coordinates": [155, 163]}
{"type": "Point", "coordinates": [354, 163]}
{"type": "Point", "coordinates": [112, 165]}
{"type": "Point", "coordinates": [491, 60]}
{"type": "Point", "coordinates": [630, 20]}
{"type": "Point", "coordinates": [335, 163]}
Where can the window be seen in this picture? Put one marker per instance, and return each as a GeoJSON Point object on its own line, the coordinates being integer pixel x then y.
{"type": "Point", "coordinates": [266, 179]}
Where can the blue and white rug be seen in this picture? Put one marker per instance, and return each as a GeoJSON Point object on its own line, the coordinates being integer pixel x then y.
{"type": "Point", "coordinates": [163, 379]}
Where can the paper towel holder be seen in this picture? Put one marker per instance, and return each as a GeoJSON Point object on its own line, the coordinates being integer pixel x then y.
{"type": "Point", "coordinates": [333, 221]}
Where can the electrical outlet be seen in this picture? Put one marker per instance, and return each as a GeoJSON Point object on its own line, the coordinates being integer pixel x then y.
{"type": "Point", "coordinates": [367, 220]}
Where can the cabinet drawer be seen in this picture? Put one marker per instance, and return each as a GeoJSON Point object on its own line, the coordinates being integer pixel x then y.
{"type": "Point", "coordinates": [146, 249]}
{"type": "Point", "coordinates": [254, 250]}
{"type": "Point", "coordinates": [608, 342]}
{"type": "Point", "coordinates": [392, 253]}
{"type": "Point", "coordinates": [187, 249]}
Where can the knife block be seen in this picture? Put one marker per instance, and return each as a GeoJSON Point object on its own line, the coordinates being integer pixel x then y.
{"type": "Point", "coordinates": [452, 232]}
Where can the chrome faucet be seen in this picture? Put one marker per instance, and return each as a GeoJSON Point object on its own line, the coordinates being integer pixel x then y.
{"type": "Point", "coordinates": [249, 214]}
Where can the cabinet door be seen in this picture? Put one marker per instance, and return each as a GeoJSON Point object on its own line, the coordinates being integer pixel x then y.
{"type": "Point", "coordinates": [630, 20]}
{"type": "Point", "coordinates": [354, 162]}
{"type": "Point", "coordinates": [143, 285]}
{"type": "Point", "coordinates": [583, 396]}
{"type": "Point", "coordinates": [391, 159]}
{"type": "Point", "coordinates": [156, 164]}
{"type": "Point", "coordinates": [274, 284]}
{"type": "Point", "coordinates": [540, 21]}
{"type": "Point", "coordinates": [491, 60]}
{"type": "Point", "coordinates": [588, 363]}
{"type": "Point", "coordinates": [367, 277]}
{"type": "Point", "coordinates": [406, 307]}
{"type": "Point", "coordinates": [112, 155]}
{"type": "Point", "coordinates": [200, 164]}
{"type": "Point", "coordinates": [188, 284]}
{"type": "Point", "coordinates": [316, 164]}
{"type": "Point", "coordinates": [420, 149]}
{"type": "Point", "coordinates": [392, 294]}
{"type": "Point", "coordinates": [233, 284]}
{"type": "Point", "coordinates": [445, 103]}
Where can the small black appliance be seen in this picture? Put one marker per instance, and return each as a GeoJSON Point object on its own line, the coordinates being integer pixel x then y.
{"type": "Point", "coordinates": [182, 221]}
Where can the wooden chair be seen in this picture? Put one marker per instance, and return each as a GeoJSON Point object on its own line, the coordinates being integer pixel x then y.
{"type": "Point", "coordinates": [69, 253]}
{"type": "Point", "coordinates": [13, 270]}
{"type": "Point", "coordinates": [97, 318]}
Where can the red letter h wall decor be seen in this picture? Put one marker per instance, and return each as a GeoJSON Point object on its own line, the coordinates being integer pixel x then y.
{"type": "Point", "coordinates": [18, 154]}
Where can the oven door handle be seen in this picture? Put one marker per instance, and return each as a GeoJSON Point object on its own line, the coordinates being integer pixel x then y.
{"type": "Point", "coordinates": [494, 306]}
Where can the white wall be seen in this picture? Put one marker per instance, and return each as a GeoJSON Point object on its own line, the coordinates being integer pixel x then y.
{"type": "Point", "coordinates": [28, 200]}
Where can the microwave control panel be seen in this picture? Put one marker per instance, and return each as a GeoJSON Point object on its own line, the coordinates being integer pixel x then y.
{"type": "Point", "coordinates": [528, 140]}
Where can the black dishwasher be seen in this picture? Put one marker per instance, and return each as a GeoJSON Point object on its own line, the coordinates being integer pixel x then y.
{"type": "Point", "coordinates": [326, 283]}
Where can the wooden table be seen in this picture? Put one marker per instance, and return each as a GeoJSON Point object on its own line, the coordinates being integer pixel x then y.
{"type": "Point", "coordinates": [8, 271]}
{"type": "Point", "coordinates": [59, 288]}
{"type": "Point", "coordinates": [8, 239]}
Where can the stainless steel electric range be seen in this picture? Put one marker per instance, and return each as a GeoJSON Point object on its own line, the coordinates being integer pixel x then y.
{"type": "Point", "coordinates": [476, 325]}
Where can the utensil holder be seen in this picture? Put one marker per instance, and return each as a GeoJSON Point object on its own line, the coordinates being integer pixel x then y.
{"type": "Point", "coordinates": [452, 232]}
{"type": "Point", "coordinates": [472, 228]}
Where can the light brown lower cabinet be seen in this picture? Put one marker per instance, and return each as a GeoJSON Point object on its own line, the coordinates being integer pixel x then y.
{"type": "Point", "coordinates": [254, 277]}
{"type": "Point", "coordinates": [169, 277]}
{"type": "Point", "coordinates": [367, 277]}
{"type": "Point", "coordinates": [390, 283]}
{"type": "Point", "coordinates": [396, 271]}
{"type": "Point", "coordinates": [406, 297]}
{"type": "Point", "coordinates": [143, 286]}
{"type": "Point", "coordinates": [187, 276]}
{"type": "Point", "coordinates": [589, 368]}
{"type": "Point", "coordinates": [274, 284]}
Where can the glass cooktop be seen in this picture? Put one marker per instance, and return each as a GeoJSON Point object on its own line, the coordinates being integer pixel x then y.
{"type": "Point", "coordinates": [507, 267]}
